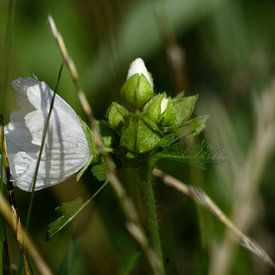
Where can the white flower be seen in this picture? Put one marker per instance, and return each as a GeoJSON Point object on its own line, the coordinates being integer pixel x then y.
{"type": "Point", "coordinates": [138, 67]}
{"type": "Point", "coordinates": [66, 148]}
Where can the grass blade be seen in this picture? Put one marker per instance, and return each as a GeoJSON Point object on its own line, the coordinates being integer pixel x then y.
{"type": "Point", "coordinates": [69, 211]}
{"type": "Point", "coordinates": [201, 198]}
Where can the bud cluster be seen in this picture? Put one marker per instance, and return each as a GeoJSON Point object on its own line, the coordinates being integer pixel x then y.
{"type": "Point", "coordinates": [148, 117]}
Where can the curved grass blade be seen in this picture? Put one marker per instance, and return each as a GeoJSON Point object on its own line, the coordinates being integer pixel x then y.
{"type": "Point", "coordinates": [133, 223]}
{"type": "Point", "coordinates": [42, 147]}
{"type": "Point", "coordinates": [69, 211]}
{"type": "Point", "coordinates": [201, 198]}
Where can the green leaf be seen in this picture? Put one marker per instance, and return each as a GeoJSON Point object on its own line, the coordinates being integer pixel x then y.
{"type": "Point", "coordinates": [183, 108]}
{"type": "Point", "coordinates": [100, 171]}
{"type": "Point", "coordinates": [71, 257]}
{"type": "Point", "coordinates": [66, 211]}
{"type": "Point", "coordinates": [90, 139]}
{"type": "Point", "coordinates": [199, 156]}
{"type": "Point", "coordinates": [191, 128]}
{"type": "Point", "coordinates": [129, 264]}
{"type": "Point", "coordinates": [92, 147]}
{"type": "Point", "coordinates": [108, 144]}
{"type": "Point", "coordinates": [83, 170]}
{"type": "Point", "coordinates": [194, 126]}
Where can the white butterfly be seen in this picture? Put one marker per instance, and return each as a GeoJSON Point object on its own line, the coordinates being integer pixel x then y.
{"type": "Point", "coordinates": [66, 149]}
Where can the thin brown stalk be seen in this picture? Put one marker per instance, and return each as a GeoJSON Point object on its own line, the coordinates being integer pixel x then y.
{"type": "Point", "coordinates": [246, 173]}
{"type": "Point", "coordinates": [133, 224]}
{"type": "Point", "coordinates": [22, 236]}
{"type": "Point", "coordinates": [12, 200]}
{"type": "Point", "coordinates": [204, 200]}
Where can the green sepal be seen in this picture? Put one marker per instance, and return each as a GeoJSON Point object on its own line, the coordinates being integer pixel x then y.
{"type": "Point", "coordinates": [90, 138]}
{"type": "Point", "coordinates": [140, 135]}
{"type": "Point", "coordinates": [116, 115]}
{"type": "Point", "coordinates": [84, 168]}
{"type": "Point", "coordinates": [194, 126]}
{"type": "Point", "coordinates": [191, 128]}
{"type": "Point", "coordinates": [169, 139]}
{"type": "Point", "coordinates": [183, 108]}
{"type": "Point", "coordinates": [92, 148]}
{"type": "Point", "coordinates": [152, 110]}
{"type": "Point", "coordinates": [137, 90]}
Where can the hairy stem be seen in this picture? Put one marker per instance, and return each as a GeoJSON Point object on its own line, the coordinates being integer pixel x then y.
{"type": "Point", "coordinates": [149, 206]}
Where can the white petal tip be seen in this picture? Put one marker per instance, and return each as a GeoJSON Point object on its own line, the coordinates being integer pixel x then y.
{"type": "Point", "coordinates": [138, 67]}
{"type": "Point", "coordinates": [164, 104]}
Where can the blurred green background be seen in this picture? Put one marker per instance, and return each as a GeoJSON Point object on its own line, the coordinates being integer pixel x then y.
{"type": "Point", "coordinates": [221, 50]}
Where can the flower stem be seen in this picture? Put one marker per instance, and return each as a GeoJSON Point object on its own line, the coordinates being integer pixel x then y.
{"type": "Point", "coordinates": [150, 210]}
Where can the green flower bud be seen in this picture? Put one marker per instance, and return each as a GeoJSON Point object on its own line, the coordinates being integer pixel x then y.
{"type": "Point", "coordinates": [159, 110]}
{"type": "Point", "coordinates": [140, 135]}
{"type": "Point", "coordinates": [138, 88]}
{"type": "Point", "coordinates": [182, 108]}
{"type": "Point", "coordinates": [116, 115]}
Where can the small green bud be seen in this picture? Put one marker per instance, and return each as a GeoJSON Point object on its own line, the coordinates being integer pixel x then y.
{"type": "Point", "coordinates": [140, 135]}
{"type": "Point", "coordinates": [159, 110]}
{"type": "Point", "coordinates": [138, 88]}
{"type": "Point", "coordinates": [116, 115]}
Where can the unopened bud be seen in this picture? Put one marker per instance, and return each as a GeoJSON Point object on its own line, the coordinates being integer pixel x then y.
{"type": "Point", "coordinates": [140, 135]}
{"type": "Point", "coordinates": [158, 110]}
{"type": "Point", "coordinates": [138, 67]}
{"type": "Point", "coordinates": [116, 115]}
{"type": "Point", "coordinates": [138, 88]}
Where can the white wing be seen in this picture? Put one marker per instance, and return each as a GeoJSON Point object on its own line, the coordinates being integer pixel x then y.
{"type": "Point", "coordinates": [66, 149]}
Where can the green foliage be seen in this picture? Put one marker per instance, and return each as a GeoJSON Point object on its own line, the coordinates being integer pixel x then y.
{"type": "Point", "coordinates": [199, 156]}
{"type": "Point", "coordinates": [129, 264]}
{"type": "Point", "coordinates": [100, 171]}
{"type": "Point", "coordinates": [67, 212]}
{"type": "Point", "coordinates": [70, 259]}
{"type": "Point", "coordinates": [92, 147]}
{"type": "Point", "coordinates": [90, 139]}
{"type": "Point", "coordinates": [194, 126]}
{"type": "Point", "coordinates": [117, 115]}
{"type": "Point", "coordinates": [182, 108]}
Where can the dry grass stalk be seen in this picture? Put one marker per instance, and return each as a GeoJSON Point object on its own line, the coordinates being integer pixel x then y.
{"type": "Point", "coordinates": [246, 174]}
{"type": "Point", "coordinates": [133, 224]}
{"type": "Point", "coordinates": [23, 237]}
{"type": "Point", "coordinates": [204, 200]}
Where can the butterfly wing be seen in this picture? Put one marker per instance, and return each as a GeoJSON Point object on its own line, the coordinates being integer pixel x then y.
{"type": "Point", "coordinates": [66, 149]}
